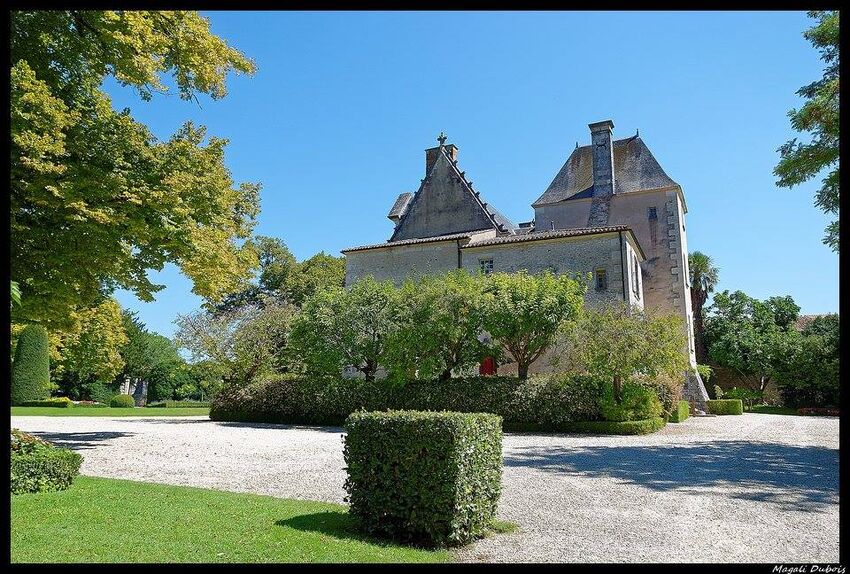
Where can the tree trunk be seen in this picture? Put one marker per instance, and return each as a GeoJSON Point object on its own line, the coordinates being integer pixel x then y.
{"type": "Point", "coordinates": [522, 371]}
{"type": "Point", "coordinates": [618, 388]}
{"type": "Point", "coordinates": [446, 375]}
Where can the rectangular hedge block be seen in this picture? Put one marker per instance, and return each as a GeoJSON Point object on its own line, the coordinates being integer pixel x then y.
{"type": "Point", "coordinates": [423, 477]}
{"type": "Point", "coordinates": [61, 403]}
{"type": "Point", "coordinates": [680, 413]}
{"type": "Point", "coordinates": [725, 406]}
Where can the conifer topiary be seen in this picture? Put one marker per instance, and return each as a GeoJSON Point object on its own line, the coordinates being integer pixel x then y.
{"type": "Point", "coordinates": [31, 369]}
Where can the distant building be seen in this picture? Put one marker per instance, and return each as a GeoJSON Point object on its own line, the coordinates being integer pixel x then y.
{"type": "Point", "coordinates": [610, 211]}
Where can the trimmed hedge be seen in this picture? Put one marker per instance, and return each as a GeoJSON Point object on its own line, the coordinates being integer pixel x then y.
{"type": "Point", "coordinates": [122, 401]}
{"type": "Point", "coordinates": [31, 369]}
{"type": "Point", "coordinates": [38, 466]}
{"type": "Point", "coordinates": [60, 402]}
{"type": "Point", "coordinates": [179, 404]}
{"type": "Point", "coordinates": [551, 403]}
{"type": "Point", "coordinates": [680, 413]}
{"type": "Point", "coordinates": [725, 406]}
{"type": "Point", "coordinates": [430, 478]}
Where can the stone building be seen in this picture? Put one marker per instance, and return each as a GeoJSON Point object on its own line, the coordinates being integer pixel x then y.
{"type": "Point", "coordinates": [611, 211]}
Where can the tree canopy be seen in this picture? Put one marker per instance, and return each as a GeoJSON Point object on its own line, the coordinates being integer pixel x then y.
{"type": "Point", "coordinates": [800, 162]}
{"type": "Point", "coordinates": [96, 200]}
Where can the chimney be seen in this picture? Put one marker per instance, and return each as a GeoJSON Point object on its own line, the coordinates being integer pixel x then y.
{"type": "Point", "coordinates": [603, 158]}
{"type": "Point", "coordinates": [431, 155]}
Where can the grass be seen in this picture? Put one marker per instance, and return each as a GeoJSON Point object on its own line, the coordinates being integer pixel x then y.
{"type": "Point", "coordinates": [768, 410]}
{"type": "Point", "coordinates": [109, 520]}
{"type": "Point", "coordinates": [108, 412]}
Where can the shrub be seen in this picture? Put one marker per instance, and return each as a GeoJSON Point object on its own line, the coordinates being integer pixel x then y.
{"type": "Point", "coordinates": [179, 404]}
{"type": "Point", "coordinates": [31, 369]}
{"type": "Point", "coordinates": [681, 412]}
{"type": "Point", "coordinates": [725, 406]}
{"type": "Point", "coordinates": [541, 402]}
{"type": "Point", "coordinates": [637, 403]}
{"type": "Point", "coordinates": [424, 477]}
{"type": "Point", "coordinates": [644, 426]}
{"type": "Point", "coordinates": [122, 401]}
{"type": "Point", "coordinates": [38, 466]}
{"type": "Point", "coordinates": [748, 396]}
{"type": "Point", "coordinates": [59, 402]}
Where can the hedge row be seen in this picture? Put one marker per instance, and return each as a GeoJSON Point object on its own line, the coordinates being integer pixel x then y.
{"type": "Point", "coordinates": [179, 404]}
{"type": "Point", "coordinates": [38, 466]}
{"type": "Point", "coordinates": [680, 413]}
{"type": "Point", "coordinates": [725, 406]}
{"type": "Point", "coordinates": [542, 403]}
{"type": "Point", "coordinates": [60, 402]}
{"type": "Point", "coordinates": [424, 477]}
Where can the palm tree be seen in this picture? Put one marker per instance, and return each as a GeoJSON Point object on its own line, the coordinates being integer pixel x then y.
{"type": "Point", "coordinates": [704, 276]}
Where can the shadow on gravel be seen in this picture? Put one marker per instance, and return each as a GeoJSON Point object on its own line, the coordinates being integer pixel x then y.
{"type": "Point", "coordinates": [794, 477]}
{"type": "Point", "coordinates": [206, 421]}
{"type": "Point", "coordinates": [80, 440]}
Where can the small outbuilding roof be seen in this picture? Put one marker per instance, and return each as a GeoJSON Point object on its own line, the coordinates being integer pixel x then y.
{"type": "Point", "coordinates": [450, 237]}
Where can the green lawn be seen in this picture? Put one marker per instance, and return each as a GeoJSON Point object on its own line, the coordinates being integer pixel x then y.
{"type": "Point", "coordinates": [767, 410]}
{"type": "Point", "coordinates": [108, 520]}
{"type": "Point", "coordinates": [108, 412]}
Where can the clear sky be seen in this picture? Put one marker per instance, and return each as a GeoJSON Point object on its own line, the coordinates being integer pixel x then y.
{"type": "Point", "coordinates": [335, 122]}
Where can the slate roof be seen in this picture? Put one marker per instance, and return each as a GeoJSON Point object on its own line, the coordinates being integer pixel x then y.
{"type": "Point", "coordinates": [635, 169]}
{"type": "Point", "coordinates": [450, 237]}
{"type": "Point", "coordinates": [400, 205]}
{"type": "Point", "coordinates": [557, 234]}
{"type": "Point", "coordinates": [499, 221]}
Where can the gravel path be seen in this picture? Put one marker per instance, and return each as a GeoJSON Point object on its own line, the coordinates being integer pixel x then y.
{"type": "Point", "coordinates": [751, 488]}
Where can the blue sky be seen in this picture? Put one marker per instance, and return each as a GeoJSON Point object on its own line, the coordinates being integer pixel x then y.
{"type": "Point", "coordinates": [335, 122]}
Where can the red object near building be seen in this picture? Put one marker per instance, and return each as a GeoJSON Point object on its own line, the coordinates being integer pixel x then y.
{"type": "Point", "coordinates": [487, 367]}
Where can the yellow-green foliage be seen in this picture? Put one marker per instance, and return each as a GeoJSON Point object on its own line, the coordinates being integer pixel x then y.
{"type": "Point", "coordinates": [101, 198]}
{"type": "Point", "coordinates": [680, 413]}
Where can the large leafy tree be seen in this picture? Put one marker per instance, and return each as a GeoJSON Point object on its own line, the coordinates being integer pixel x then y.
{"type": "Point", "coordinates": [751, 337]}
{"type": "Point", "coordinates": [151, 357]}
{"type": "Point", "coordinates": [243, 343]}
{"type": "Point", "coordinates": [91, 354]}
{"type": "Point", "coordinates": [522, 312]}
{"type": "Point", "coordinates": [339, 327]}
{"type": "Point", "coordinates": [618, 342]}
{"type": "Point", "coordinates": [96, 199]}
{"type": "Point", "coordinates": [819, 117]}
{"type": "Point", "coordinates": [440, 321]}
{"type": "Point", "coordinates": [704, 276]}
{"type": "Point", "coordinates": [808, 376]}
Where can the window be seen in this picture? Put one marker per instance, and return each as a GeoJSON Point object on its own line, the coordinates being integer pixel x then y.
{"type": "Point", "coordinates": [635, 277]}
{"type": "Point", "coordinates": [601, 280]}
{"type": "Point", "coordinates": [651, 213]}
{"type": "Point", "coordinates": [486, 266]}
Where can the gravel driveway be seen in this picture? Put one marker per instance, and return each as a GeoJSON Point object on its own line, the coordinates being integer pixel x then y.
{"type": "Point", "coordinates": [751, 488]}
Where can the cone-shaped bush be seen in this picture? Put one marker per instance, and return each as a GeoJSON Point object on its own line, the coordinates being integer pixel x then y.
{"type": "Point", "coordinates": [31, 369]}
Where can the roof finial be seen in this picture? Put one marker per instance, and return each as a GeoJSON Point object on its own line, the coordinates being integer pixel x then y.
{"type": "Point", "coordinates": [442, 138]}
{"type": "Point", "coordinates": [637, 132]}
{"type": "Point", "coordinates": [576, 145]}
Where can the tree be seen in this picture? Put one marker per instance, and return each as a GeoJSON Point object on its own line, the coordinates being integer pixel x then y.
{"type": "Point", "coordinates": [800, 162]}
{"type": "Point", "coordinates": [91, 354]}
{"type": "Point", "coordinates": [96, 200]}
{"type": "Point", "coordinates": [340, 327]}
{"type": "Point", "coordinates": [439, 323]}
{"type": "Point", "coordinates": [751, 336]}
{"type": "Point", "coordinates": [523, 312]}
{"type": "Point", "coordinates": [314, 274]}
{"type": "Point", "coordinates": [31, 368]}
{"type": "Point", "coordinates": [704, 276]}
{"type": "Point", "coordinates": [246, 342]}
{"type": "Point", "coordinates": [618, 343]}
{"type": "Point", "coordinates": [809, 375]}
{"type": "Point", "coordinates": [151, 357]}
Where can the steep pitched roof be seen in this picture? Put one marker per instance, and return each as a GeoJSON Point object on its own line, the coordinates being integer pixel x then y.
{"type": "Point", "coordinates": [446, 203]}
{"type": "Point", "coordinates": [635, 169]}
{"type": "Point", "coordinates": [400, 205]}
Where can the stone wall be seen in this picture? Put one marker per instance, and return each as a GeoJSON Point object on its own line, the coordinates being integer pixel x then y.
{"type": "Point", "coordinates": [396, 263]}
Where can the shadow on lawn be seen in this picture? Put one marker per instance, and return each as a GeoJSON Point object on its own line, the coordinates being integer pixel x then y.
{"type": "Point", "coordinates": [794, 477]}
{"type": "Point", "coordinates": [79, 440]}
{"type": "Point", "coordinates": [336, 523]}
